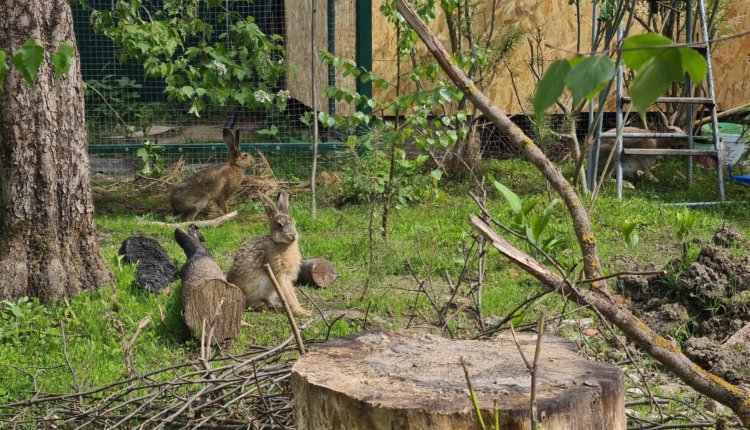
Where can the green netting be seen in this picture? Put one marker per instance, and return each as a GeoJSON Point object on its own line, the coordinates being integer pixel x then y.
{"type": "Point", "coordinates": [124, 108]}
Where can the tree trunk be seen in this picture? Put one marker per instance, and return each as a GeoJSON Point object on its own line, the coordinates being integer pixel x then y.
{"type": "Point", "coordinates": [48, 247]}
{"type": "Point", "coordinates": [466, 155]}
{"type": "Point", "coordinates": [410, 380]}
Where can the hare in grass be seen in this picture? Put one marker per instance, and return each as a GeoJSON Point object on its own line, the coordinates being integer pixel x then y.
{"type": "Point", "coordinates": [636, 165]}
{"type": "Point", "coordinates": [280, 250]}
{"type": "Point", "coordinates": [218, 183]}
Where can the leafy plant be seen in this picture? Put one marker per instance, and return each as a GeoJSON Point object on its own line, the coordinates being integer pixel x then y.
{"type": "Point", "coordinates": [366, 179]}
{"type": "Point", "coordinates": [152, 162]}
{"type": "Point", "coordinates": [18, 318]}
{"type": "Point", "coordinates": [684, 223]}
{"type": "Point", "coordinates": [652, 57]}
{"type": "Point", "coordinates": [116, 100]}
{"type": "Point", "coordinates": [529, 223]}
{"type": "Point", "coordinates": [28, 59]}
{"type": "Point", "coordinates": [240, 65]}
{"type": "Point", "coordinates": [630, 233]}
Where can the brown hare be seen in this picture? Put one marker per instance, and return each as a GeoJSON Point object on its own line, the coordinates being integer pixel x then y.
{"type": "Point", "coordinates": [218, 183]}
{"type": "Point", "coordinates": [279, 249]}
{"type": "Point", "coordinates": [636, 165]}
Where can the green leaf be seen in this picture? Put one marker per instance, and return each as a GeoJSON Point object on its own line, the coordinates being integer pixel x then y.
{"type": "Point", "coordinates": [63, 59]}
{"type": "Point", "coordinates": [551, 86]}
{"type": "Point", "coordinates": [634, 57]}
{"type": "Point", "coordinates": [4, 68]}
{"type": "Point", "coordinates": [654, 78]}
{"type": "Point", "coordinates": [587, 78]}
{"type": "Point", "coordinates": [694, 64]}
{"type": "Point", "coordinates": [550, 208]}
{"type": "Point", "coordinates": [528, 205]}
{"type": "Point", "coordinates": [629, 233]}
{"type": "Point", "coordinates": [188, 91]}
{"type": "Point", "coordinates": [513, 200]}
{"type": "Point", "coordinates": [28, 58]}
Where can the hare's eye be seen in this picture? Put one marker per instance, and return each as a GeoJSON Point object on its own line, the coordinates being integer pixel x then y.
{"type": "Point", "coordinates": [279, 224]}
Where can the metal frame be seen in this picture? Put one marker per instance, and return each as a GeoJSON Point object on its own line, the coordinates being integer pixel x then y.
{"type": "Point", "coordinates": [363, 44]}
{"type": "Point", "coordinates": [718, 150]}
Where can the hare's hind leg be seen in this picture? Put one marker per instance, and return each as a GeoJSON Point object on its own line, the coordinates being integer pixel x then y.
{"type": "Point", "coordinates": [222, 204]}
{"type": "Point", "coordinates": [195, 210]}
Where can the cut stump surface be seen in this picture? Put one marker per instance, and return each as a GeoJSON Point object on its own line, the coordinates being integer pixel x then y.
{"type": "Point", "coordinates": [408, 380]}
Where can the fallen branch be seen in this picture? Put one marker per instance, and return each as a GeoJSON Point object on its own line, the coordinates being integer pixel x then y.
{"type": "Point", "coordinates": [665, 351]}
{"type": "Point", "coordinates": [205, 223]}
{"type": "Point", "coordinates": [724, 114]}
{"type": "Point", "coordinates": [128, 345]}
{"type": "Point", "coordinates": [618, 274]}
{"type": "Point", "coordinates": [287, 309]}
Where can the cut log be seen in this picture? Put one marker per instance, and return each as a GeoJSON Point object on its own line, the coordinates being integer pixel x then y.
{"type": "Point", "coordinates": [211, 306]}
{"type": "Point", "coordinates": [155, 268]}
{"type": "Point", "coordinates": [387, 380]}
{"type": "Point", "coordinates": [317, 272]}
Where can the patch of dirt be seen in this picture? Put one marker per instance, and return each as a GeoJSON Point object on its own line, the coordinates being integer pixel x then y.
{"type": "Point", "coordinates": [668, 318]}
{"type": "Point", "coordinates": [730, 363]}
{"type": "Point", "coordinates": [728, 237]}
{"type": "Point", "coordinates": [705, 295]}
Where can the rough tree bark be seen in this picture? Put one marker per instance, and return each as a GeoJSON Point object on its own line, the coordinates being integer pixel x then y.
{"type": "Point", "coordinates": [599, 298]}
{"type": "Point", "coordinates": [48, 246]}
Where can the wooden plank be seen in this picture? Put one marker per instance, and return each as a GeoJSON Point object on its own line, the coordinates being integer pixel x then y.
{"type": "Point", "coordinates": [644, 151]}
{"type": "Point", "coordinates": [298, 19]}
{"type": "Point", "coordinates": [691, 100]}
{"type": "Point", "coordinates": [556, 21]}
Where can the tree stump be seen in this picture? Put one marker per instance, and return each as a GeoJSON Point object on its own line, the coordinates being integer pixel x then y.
{"type": "Point", "coordinates": [407, 380]}
{"type": "Point", "coordinates": [210, 304]}
{"type": "Point", "coordinates": [316, 272]}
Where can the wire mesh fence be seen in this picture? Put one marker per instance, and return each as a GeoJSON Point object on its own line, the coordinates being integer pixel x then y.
{"type": "Point", "coordinates": [124, 108]}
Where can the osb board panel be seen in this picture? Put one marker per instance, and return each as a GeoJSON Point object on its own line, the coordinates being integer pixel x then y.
{"type": "Point", "coordinates": [345, 47]}
{"type": "Point", "coordinates": [553, 19]}
{"type": "Point", "coordinates": [298, 22]}
{"type": "Point", "coordinates": [555, 22]}
{"type": "Point", "coordinates": [731, 60]}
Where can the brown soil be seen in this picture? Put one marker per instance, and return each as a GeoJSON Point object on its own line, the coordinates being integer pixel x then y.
{"type": "Point", "coordinates": [703, 299]}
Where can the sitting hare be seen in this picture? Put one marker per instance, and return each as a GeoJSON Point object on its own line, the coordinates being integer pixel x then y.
{"type": "Point", "coordinates": [280, 250]}
{"type": "Point", "coordinates": [636, 165]}
{"type": "Point", "coordinates": [218, 183]}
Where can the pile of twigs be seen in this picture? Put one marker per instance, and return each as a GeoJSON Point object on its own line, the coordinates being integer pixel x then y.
{"type": "Point", "coordinates": [246, 391]}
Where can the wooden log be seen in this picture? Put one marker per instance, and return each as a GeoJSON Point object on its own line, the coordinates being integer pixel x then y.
{"type": "Point", "coordinates": [317, 272]}
{"type": "Point", "coordinates": [210, 304]}
{"type": "Point", "coordinates": [155, 269]}
{"type": "Point", "coordinates": [387, 380]}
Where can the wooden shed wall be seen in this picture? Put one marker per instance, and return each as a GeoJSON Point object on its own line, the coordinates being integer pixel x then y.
{"type": "Point", "coordinates": [731, 60]}
{"type": "Point", "coordinates": [298, 20]}
{"type": "Point", "coordinates": [555, 21]}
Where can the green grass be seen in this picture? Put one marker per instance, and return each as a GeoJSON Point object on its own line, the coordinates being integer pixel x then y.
{"type": "Point", "coordinates": [432, 236]}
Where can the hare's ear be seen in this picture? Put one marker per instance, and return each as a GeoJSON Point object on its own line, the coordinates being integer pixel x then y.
{"type": "Point", "coordinates": [230, 141]}
{"type": "Point", "coordinates": [283, 202]}
{"type": "Point", "coordinates": [237, 141]}
{"type": "Point", "coordinates": [271, 210]}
